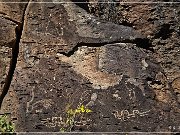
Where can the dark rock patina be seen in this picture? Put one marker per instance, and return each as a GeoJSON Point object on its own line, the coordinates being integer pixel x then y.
{"type": "Point", "coordinates": [68, 58]}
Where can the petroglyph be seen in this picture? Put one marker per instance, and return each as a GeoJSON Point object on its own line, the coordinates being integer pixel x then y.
{"type": "Point", "coordinates": [28, 103]}
{"type": "Point", "coordinates": [82, 122]}
{"type": "Point", "coordinates": [125, 114]}
{"type": "Point", "coordinates": [46, 103]}
{"type": "Point", "coordinates": [132, 95]}
{"type": "Point", "coordinates": [53, 122]}
{"type": "Point", "coordinates": [58, 121]}
{"type": "Point", "coordinates": [117, 96]}
{"type": "Point", "coordinates": [136, 83]}
{"type": "Point", "coordinates": [145, 64]}
{"type": "Point", "coordinates": [93, 99]}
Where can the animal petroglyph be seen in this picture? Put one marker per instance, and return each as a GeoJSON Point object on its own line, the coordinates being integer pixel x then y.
{"type": "Point", "coordinates": [125, 114]}
{"type": "Point", "coordinates": [46, 103]}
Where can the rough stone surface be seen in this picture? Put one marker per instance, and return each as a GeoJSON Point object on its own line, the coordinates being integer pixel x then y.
{"type": "Point", "coordinates": [12, 11]}
{"type": "Point", "coordinates": [44, 92]}
{"type": "Point", "coordinates": [68, 58]}
{"type": "Point", "coordinates": [7, 40]}
{"type": "Point", "coordinates": [59, 22]}
{"type": "Point", "coordinates": [158, 22]}
{"type": "Point", "coordinates": [11, 17]}
{"type": "Point", "coordinates": [5, 55]}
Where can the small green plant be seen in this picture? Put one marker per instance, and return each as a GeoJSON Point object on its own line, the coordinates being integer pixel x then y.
{"type": "Point", "coordinates": [71, 115]}
{"type": "Point", "coordinates": [5, 125]}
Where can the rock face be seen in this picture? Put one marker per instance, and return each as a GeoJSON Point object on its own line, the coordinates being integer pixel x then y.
{"type": "Point", "coordinates": [159, 22]}
{"type": "Point", "coordinates": [8, 29]}
{"type": "Point", "coordinates": [11, 20]}
{"type": "Point", "coordinates": [69, 58]}
{"type": "Point", "coordinates": [7, 41]}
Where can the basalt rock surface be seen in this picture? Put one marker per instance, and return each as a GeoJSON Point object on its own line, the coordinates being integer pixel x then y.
{"type": "Point", "coordinates": [8, 30]}
{"type": "Point", "coordinates": [68, 58]}
{"type": "Point", "coordinates": [10, 18]}
{"type": "Point", "coordinates": [159, 22]}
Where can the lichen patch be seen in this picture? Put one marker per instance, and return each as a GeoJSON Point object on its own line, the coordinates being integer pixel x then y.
{"type": "Point", "coordinates": [85, 61]}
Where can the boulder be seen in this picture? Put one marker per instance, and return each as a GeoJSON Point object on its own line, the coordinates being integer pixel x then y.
{"type": "Point", "coordinates": [76, 72]}
{"type": "Point", "coordinates": [159, 22]}
{"type": "Point", "coordinates": [68, 59]}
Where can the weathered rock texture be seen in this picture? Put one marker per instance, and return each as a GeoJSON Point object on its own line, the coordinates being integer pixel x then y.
{"type": "Point", "coordinates": [68, 58]}
{"type": "Point", "coordinates": [159, 22]}
{"type": "Point", "coordinates": [11, 16]}
{"type": "Point", "coordinates": [8, 30]}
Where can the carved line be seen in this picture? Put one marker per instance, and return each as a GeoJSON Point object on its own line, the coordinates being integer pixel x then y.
{"type": "Point", "coordinates": [124, 114]}
{"type": "Point", "coordinates": [28, 103]}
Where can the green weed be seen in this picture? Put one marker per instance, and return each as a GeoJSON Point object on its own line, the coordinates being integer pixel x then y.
{"type": "Point", "coordinates": [5, 125]}
{"type": "Point", "coordinates": [71, 115]}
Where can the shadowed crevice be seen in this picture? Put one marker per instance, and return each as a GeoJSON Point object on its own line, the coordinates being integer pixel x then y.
{"type": "Point", "coordinates": [141, 43]}
{"type": "Point", "coordinates": [82, 4]}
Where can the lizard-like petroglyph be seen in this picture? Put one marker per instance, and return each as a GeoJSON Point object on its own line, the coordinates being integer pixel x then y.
{"type": "Point", "coordinates": [125, 114]}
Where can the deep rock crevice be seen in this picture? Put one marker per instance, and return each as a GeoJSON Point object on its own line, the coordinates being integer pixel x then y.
{"type": "Point", "coordinates": [82, 4]}
{"type": "Point", "coordinates": [141, 43]}
{"type": "Point", "coordinates": [15, 52]}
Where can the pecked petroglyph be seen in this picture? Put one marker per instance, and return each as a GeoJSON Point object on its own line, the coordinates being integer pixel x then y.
{"type": "Point", "coordinates": [53, 121]}
{"type": "Point", "coordinates": [46, 103]}
{"type": "Point", "coordinates": [86, 61]}
{"type": "Point", "coordinates": [125, 114]}
{"type": "Point", "coordinates": [29, 102]}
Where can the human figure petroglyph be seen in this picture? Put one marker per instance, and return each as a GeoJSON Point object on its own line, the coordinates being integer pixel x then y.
{"type": "Point", "coordinates": [132, 95]}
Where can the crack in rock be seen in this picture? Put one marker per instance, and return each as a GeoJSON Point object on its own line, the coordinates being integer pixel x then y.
{"type": "Point", "coordinates": [15, 51]}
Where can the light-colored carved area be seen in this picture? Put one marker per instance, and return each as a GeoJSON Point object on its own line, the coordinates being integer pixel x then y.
{"type": "Point", "coordinates": [86, 61]}
{"type": "Point", "coordinates": [53, 121]}
{"type": "Point", "coordinates": [125, 114]}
